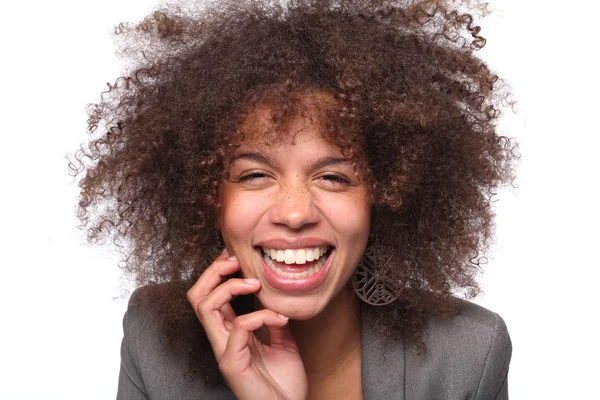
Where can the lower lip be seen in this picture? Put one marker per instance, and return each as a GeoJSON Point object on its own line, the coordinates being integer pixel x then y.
{"type": "Point", "coordinates": [295, 285]}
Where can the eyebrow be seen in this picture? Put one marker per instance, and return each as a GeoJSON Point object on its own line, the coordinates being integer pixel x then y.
{"type": "Point", "coordinates": [261, 158]}
{"type": "Point", "coordinates": [257, 157]}
{"type": "Point", "coordinates": [328, 161]}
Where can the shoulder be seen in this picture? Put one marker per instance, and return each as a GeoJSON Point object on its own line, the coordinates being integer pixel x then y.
{"type": "Point", "coordinates": [143, 323]}
{"type": "Point", "coordinates": [467, 355]}
{"type": "Point", "coordinates": [473, 326]}
{"type": "Point", "coordinates": [151, 363]}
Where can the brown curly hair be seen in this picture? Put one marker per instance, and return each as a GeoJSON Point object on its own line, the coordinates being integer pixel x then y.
{"type": "Point", "coordinates": [421, 106]}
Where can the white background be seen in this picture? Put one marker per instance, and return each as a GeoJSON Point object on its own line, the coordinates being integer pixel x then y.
{"type": "Point", "coordinates": [61, 301]}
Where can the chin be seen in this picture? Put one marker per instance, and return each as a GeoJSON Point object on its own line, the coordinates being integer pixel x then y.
{"type": "Point", "coordinates": [298, 307]}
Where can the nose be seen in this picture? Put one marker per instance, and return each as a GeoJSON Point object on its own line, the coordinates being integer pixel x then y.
{"type": "Point", "coordinates": [294, 207]}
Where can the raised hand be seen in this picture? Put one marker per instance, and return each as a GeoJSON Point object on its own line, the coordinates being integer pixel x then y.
{"type": "Point", "coordinates": [252, 370]}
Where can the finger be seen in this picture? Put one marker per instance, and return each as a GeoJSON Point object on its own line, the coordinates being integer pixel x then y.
{"type": "Point", "coordinates": [211, 315]}
{"type": "Point", "coordinates": [281, 336]}
{"type": "Point", "coordinates": [229, 314]}
{"type": "Point", "coordinates": [246, 324]}
{"type": "Point", "coordinates": [224, 293]}
{"type": "Point", "coordinates": [212, 277]}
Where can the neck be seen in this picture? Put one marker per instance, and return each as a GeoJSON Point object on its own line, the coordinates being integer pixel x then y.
{"type": "Point", "coordinates": [331, 338]}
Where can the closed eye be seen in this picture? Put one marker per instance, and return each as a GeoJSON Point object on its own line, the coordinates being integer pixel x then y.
{"type": "Point", "coordinates": [334, 179]}
{"type": "Point", "coordinates": [251, 176]}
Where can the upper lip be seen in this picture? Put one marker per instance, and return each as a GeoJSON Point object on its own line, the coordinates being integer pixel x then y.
{"type": "Point", "coordinates": [293, 243]}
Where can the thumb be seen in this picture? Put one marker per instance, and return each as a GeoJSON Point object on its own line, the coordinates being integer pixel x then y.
{"type": "Point", "coordinates": [282, 336]}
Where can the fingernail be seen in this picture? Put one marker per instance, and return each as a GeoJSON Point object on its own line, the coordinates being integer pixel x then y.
{"type": "Point", "coordinates": [283, 317]}
{"type": "Point", "coordinates": [224, 253]}
{"type": "Point", "coordinates": [232, 258]}
{"type": "Point", "coordinates": [251, 281]}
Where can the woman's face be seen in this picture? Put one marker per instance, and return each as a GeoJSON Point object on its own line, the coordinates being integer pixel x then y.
{"type": "Point", "coordinates": [296, 215]}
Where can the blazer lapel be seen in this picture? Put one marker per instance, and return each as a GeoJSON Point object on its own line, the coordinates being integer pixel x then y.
{"type": "Point", "coordinates": [383, 366]}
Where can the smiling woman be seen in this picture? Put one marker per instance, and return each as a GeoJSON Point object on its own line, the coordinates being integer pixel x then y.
{"type": "Point", "coordinates": [291, 199]}
{"type": "Point", "coordinates": [304, 190]}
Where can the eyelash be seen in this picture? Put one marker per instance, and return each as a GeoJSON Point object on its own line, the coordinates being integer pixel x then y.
{"type": "Point", "coordinates": [250, 176]}
{"type": "Point", "coordinates": [335, 178]}
{"type": "Point", "coordinates": [258, 175]}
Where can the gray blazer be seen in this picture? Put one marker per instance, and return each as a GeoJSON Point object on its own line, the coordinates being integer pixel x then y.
{"type": "Point", "coordinates": [467, 358]}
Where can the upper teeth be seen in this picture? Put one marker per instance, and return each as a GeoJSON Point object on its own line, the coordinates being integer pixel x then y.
{"type": "Point", "coordinates": [296, 256]}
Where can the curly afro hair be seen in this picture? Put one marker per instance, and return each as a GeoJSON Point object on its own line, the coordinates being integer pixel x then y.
{"type": "Point", "coordinates": [413, 106]}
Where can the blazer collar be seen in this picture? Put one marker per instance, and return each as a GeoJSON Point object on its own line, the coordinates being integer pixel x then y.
{"type": "Point", "coordinates": [383, 365]}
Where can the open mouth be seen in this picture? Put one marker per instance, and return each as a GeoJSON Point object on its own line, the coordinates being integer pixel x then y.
{"type": "Point", "coordinates": [296, 263]}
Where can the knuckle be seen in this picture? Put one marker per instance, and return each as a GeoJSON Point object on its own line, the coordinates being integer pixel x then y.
{"type": "Point", "coordinates": [190, 295]}
{"type": "Point", "coordinates": [202, 308]}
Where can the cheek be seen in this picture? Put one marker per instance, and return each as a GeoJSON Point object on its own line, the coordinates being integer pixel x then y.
{"type": "Point", "coordinates": [358, 216]}
{"type": "Point", "coordinates": [351, 220]}
{"type": "Point", "coordinates": [240, 214]}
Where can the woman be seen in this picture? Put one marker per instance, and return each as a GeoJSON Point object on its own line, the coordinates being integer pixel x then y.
{"type": "Point", "coordinates": [302, 189]}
